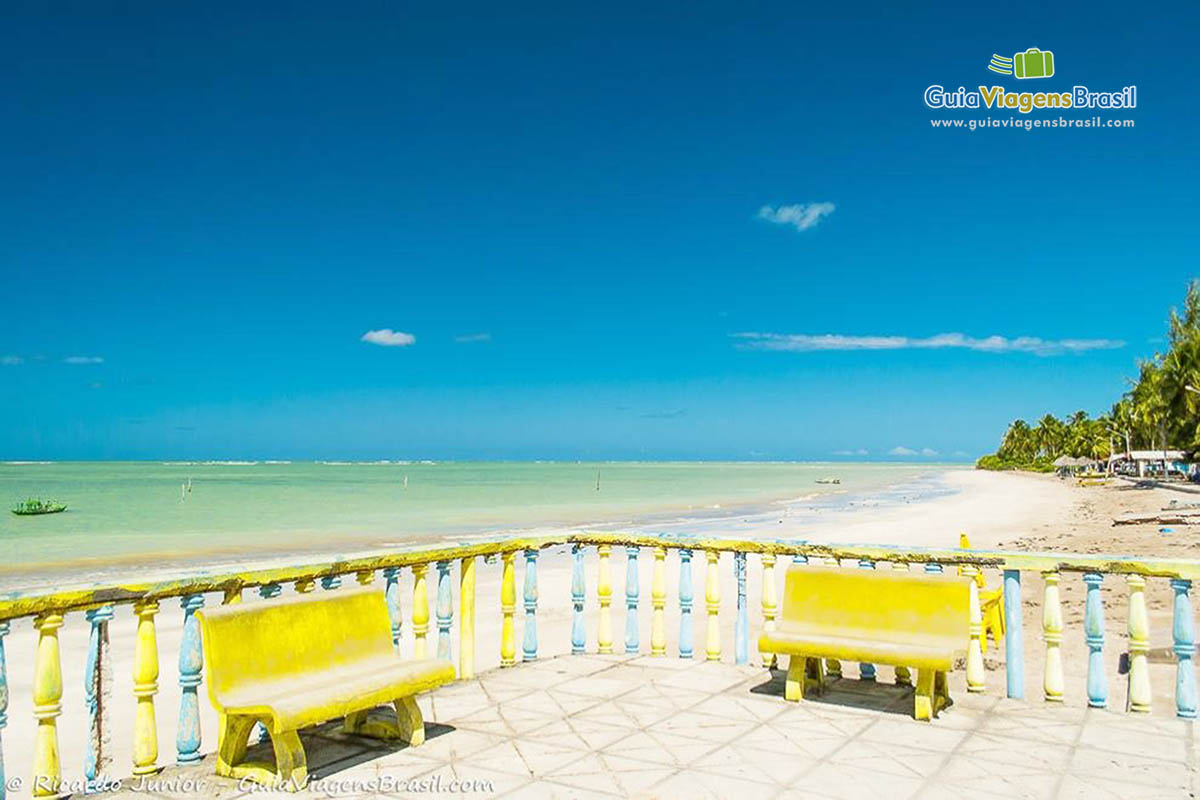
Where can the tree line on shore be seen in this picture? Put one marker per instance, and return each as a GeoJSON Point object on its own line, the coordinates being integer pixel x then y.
{"type": "Point", "coordinates": [1157, 410]}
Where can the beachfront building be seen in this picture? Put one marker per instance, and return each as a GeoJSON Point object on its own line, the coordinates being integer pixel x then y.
{"type": "Point", "coordinates": [1150, 462]}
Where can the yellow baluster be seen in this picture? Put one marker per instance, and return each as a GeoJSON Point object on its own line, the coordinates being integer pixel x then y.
{"type": "Point", "coordinates": [712, 600]}
{"type": "Point", "coordinates": [1052, 632]}
{"type": "Point", "coordinates": [658, 598]}
{"type": "Point", "coordinates": [976, 680]}
{"type": "Point", "coordinates": [466, 622]}
{"type": "Point", "coordinates": [770, 606]}
{"type": "Point", "coordinates": [420, 612]}
{"type": "Point", "coordinates": [604, 634]}
{"type": "Point", "coordinates": [47, 694]}
{"type": "Point", "coordinates": [903, 675]}
{"type": "Point", "coordinates": [145, 686]}
{"type": "Point", "coordinates": [305, 585]}
{"type": "Point", "coordinates": [365, 577]}
{"type": "Point", "coordinates": [508, 604]}
{"type": "Point", "coordinates": [1139, 646]}
{"type": "Point", "coordinates": [232, 595]}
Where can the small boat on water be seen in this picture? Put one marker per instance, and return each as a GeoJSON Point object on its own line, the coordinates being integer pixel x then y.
{"type": "Point", "coordinates": [829, 480]}
{"type": "Point", "coordinates": [33, 507]}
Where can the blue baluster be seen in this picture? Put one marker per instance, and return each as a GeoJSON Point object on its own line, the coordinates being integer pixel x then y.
{"type": "Point", "coordinates": [529, 645]}
{"type": "Point", "coordinates": [391, 592]}
{"type": "Point", "coordinates": [95, 692]}
{"type": "Point", "coordinates": [1093, 628]}
{"type": "Point", "coordinates": [866, 671]}
{"type": "Point", "coordinates": [632, 639]}
{"type": "Point", "coordinates": [685, 603]}
{"type": "Point", "coordinates": [331, 582]}
{"type": "Point", "coordinates": [741, 624]}
{"type": "Point", "coordinates": [1014, 642]}
{"type": "Point", "coordinates": [445, 611]}
{"type": "Point", "coordinates": [578, 589]}
{"type": "Point", "coordinates": [3, 708]}
{"type": "Point", "coordinates": [933, 568]}
{"type": "Point", "coordinates": [191, 661]}
{"type": "Point", "coordinates": [799, 558]}
{"type": "Point", "coordinates": [1185, 651]}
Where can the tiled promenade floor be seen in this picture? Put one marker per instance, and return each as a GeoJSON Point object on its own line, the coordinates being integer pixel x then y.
{"type": "Point", "coordinates": [617, 726]}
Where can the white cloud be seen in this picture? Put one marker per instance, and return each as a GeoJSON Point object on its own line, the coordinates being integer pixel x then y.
{"type": "Point", "coordinates": [807, 343]}
{"type": "Point", "coordinates": [11, 361]}
{"type": "Point", "coordinates": [386, 337]}
{"type": "Point", "coordinates": [908, 451]}
{"type": "Point", "coordinates": [468, 338]}
{"type": "Point", "coordinates": [862, 451]}
{"type": "Point", "coordinates": [800, 216]}
{"type": "Point", "coordinates": [83, 360]}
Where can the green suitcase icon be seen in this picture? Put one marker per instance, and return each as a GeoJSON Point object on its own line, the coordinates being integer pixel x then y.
{"type": "Point", "coordinates": [1033, 63]}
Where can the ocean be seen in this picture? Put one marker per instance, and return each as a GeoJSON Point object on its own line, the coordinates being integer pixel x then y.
{"type": "Point", "coordinates": [124, 513]}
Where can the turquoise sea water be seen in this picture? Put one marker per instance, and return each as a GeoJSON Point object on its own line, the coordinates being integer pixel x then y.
{"type": "Point", "coordinates": [134, 511]}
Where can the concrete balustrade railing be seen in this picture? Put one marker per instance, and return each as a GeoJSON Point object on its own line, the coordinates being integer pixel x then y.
{"type": "Point", "coordinates": [47, 610]}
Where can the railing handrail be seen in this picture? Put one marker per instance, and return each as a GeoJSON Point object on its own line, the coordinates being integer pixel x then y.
{"type": "Point", "coordinates": [26, 603]}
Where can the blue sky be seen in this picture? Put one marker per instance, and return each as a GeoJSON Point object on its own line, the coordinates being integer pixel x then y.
{"type": "Point", "coordinates": [565, 209]}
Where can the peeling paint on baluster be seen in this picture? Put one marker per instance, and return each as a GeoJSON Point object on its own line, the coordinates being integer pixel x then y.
{"type": "Point", "coordinates": [466, 624]}
{"type": "Point", "coordinates": [420, 611]}
{"type": "Point", "coordinates": [391, 593]}
{"type": "Point", "coordinates": [712, 601]}
{"type": "Point", "coordinates": [508, 607]}
{"type": "Point", "coordinates": [658, 599]}
{"type": "Point", "coordinates": [770, 605]}
{"type": "Point", "coordinates": [529, 644]}
{"type": "Point", "coordinates": [145, 686]}
{"type": "Point", "coordinates": [191, 662]}
{"type": "Point", "coordinates": [1052, 633]}
{"type": "Point", "coordinates": [47, 705]}
{"type": "Point", "coordinates": [1184, 635]}
{"type": "Point", "coordinates": [1014, 636]}
{"type": "Point", "coordinates": [578, 594]}
{"type": "Point", "coordinates": [604, 643]}
{"type": "Point", "coordinates": [3, 707]}
{"type": "Point", "coordinates": [685, 603]}
{"type": "Point", "coordinates": [4, 627]}
{"type": "Point", "coordinates": [633, 642]}
{"type": "Point", "coordinates": [1093, 628]}
{"type": "Point", "coordinates": [741, 623]}
{"type": "Point", "coordinates": [1139, 646]}
{"type": "Point", "coordinates": [97, 683]}
{"type": "Point", "coordinates": [445, 610]}
{"type": "Point", "coordinates": [866, 671]}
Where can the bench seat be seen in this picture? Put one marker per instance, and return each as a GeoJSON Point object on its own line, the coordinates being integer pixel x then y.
{"type": "Point", "coordinates": [855, 647]}
{"type": "Point", "coordinates": [289, 664]}
{"type": "Point", "coordinates": [288, 702]}
{"type": "Point", "coordinates": [874, 617]}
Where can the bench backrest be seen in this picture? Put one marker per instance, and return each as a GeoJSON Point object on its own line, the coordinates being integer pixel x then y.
{"type": "Point", "coordinates": [250, 643]}
{"type": "Point", "coordinates": [860, 602]}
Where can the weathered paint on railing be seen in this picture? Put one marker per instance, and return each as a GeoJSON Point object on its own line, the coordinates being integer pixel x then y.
{"type": "Point", "coordinates": [191, 662]}
{"type": "Point", "coordinates": [97, 693]}
{"type": "Point", "coordinates": [1184, 635]}
{"type": "Point", "coordinates": [529, 644]}
{"type": "Point", "coordinates": [1093, 629]}
{"type": "Point", "coordinates": [578, 595]}
{"type": "Point", "coordinates": [632, 587]}
{"type": "Point", "coordinates": [741, 623]}
{"type": "Point", "coordinates": [1014, 638]}
{"type": "Point", "coordinates": [47, 705]}
{"type": "Point", "coordinates": [685, 603]}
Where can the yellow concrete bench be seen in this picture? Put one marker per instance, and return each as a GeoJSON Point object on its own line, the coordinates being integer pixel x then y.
{"type": "Point", "coordinates": [877, 617]}
{"type": "Point", "coordinates": [302, 661]}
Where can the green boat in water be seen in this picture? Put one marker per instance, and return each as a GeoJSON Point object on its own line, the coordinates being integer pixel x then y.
{"type": "Point", "coordinates": [33, 507]}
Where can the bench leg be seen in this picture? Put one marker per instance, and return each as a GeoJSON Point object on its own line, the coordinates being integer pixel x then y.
{"type": "Point", "coordinates": [814, 675]}
{"type": "Point", "coordinates": [291, 765]}
{"type": "Point", "coordinates": [412, 724]}
{"type": "Point", "coordinates": [923, 700]}
{"type": "Point", "coordinates": [941, 692]}
{"type": "Point", "coordinates": [233, 738]}
{"type": "Point", "coordinates": [793, 689]}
